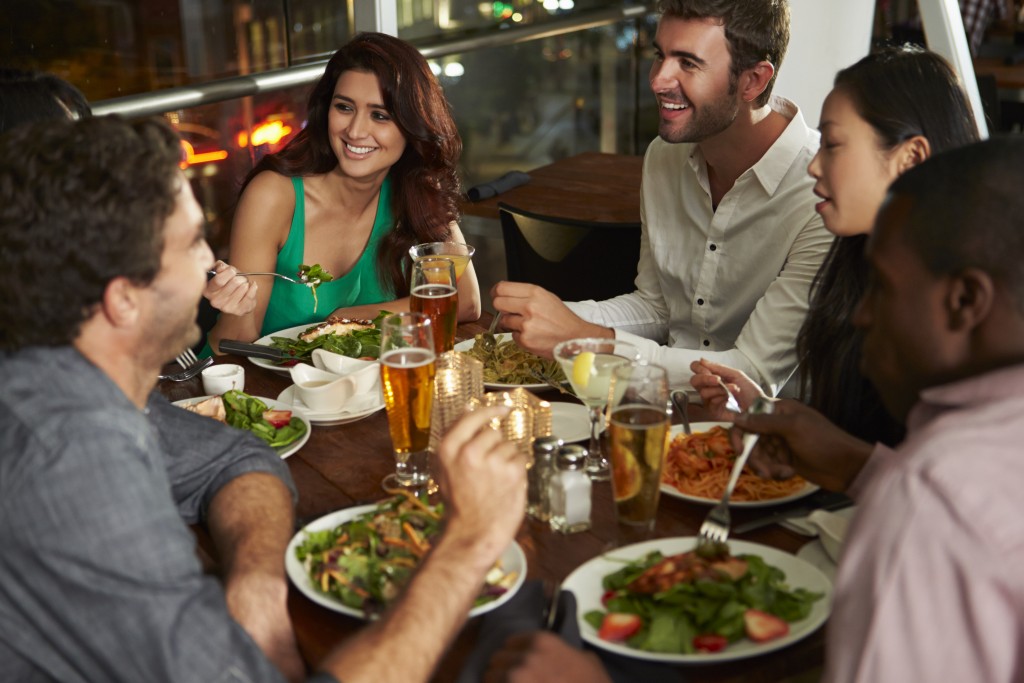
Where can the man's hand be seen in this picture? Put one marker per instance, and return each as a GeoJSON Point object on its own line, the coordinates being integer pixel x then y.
{"type": "Point", "coordinates": [229, 292]}
{"type": "Point", "coordinates": [802, 441]}
{"type": "Point", "coordinates": [483, 480]}
{"type": "Point", "coordinates": [712, 379]}
{"type": "Point", "coordinates": [543, 657]}
{"type": "Point", "coordinates": [538, 319]}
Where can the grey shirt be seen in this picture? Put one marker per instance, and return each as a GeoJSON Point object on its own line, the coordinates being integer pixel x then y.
{"type": "Point", "coordinates": [99, 579]}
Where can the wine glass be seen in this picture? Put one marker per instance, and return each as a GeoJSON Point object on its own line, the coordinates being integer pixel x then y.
{"type": "Point", "coordinates": [407, 374]}
{"type": "Point", "coordinates": [639, 418]}
{"type": "Point", "coordinates": [588, 363]}
{"type": "Point", "coordinates": [433, 293]}
{"type": "Point", "coordinates": [459, 253]}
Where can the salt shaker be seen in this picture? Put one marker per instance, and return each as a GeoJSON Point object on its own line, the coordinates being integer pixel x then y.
{"type": "Point", "coordinates": [538, 503]}
{"type": "Point", "coordinates": [569, 491]}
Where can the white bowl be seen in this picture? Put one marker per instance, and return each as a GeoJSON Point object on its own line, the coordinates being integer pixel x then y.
{"type": "Point", "coordinates": [326, 391]}
{"type": "Point", "coordinates": [339, 364]}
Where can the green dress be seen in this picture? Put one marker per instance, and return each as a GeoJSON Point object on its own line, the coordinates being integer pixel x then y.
{"type": "Point", "coordinates": [291, 305]}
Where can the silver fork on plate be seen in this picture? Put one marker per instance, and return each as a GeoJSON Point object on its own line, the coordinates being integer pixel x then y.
{"type": "Point", "coordinates": [715, 529]}
{"type": "Point", "coordinates": [190, 364]}
{"type": "Point", "coordinates": [283, 277]}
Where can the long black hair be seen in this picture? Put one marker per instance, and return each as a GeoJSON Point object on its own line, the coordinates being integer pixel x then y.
{"type": "Point", "coordinates": [902, 92]}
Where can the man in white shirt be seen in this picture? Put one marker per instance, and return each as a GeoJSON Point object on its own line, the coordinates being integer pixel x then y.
{"type": "Point", "coordinates": [730, 239]}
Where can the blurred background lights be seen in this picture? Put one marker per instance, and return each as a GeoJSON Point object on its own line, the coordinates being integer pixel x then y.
{"type": "Point", "coordinates": [454, 69]}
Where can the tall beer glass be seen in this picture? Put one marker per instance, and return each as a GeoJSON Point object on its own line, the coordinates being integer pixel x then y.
{"type": "Point", "coordinates": [638, 417]}
{"type": "Point", "coordinates": [433, 293]}
{"type": "Point", "coordinates": [407, 374]}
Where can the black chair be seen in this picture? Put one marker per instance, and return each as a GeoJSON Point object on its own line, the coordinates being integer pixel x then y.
{"type": "Point", "coordinates": [573, 259]}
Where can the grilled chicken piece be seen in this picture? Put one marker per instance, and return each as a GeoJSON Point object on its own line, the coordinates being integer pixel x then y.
{"type": "Point", "coordinates": [335, 325]}
{"type": "Point", "coordinates": [211, 407]}
{"type": "Point", "coordinates": [687, 567]}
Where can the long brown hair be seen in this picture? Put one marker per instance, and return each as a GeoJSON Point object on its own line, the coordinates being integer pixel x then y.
{"type": "Point", "coordinates": [425, 193]}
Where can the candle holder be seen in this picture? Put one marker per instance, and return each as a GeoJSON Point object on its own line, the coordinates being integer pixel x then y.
{"type": "Point", "coordinates": [458, 380]}
{"type": "Point", "coordinates": [528, 417]}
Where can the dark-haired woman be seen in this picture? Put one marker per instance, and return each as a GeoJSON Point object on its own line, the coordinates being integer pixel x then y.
{"type": "Point", "coordinates": [885, 114]}
{"type": "Point", "coordinates": [371, 174]}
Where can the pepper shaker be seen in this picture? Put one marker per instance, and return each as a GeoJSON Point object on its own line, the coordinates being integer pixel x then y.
{"type": "Point", "coordinates": [538, 503]}
{"type": "Point", "coordinates": [569, 491]}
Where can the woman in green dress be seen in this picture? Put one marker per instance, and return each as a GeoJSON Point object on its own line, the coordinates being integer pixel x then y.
{"type": "Point", "coordinates": [371, 174]}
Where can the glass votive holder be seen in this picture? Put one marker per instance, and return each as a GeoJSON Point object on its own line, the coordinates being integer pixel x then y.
{"type": "Point", "coordinates": [517, 425]}
{"type": "Point", "coordinates": [458, 380]}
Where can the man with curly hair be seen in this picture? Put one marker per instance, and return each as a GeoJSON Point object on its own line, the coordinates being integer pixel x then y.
{"type": "Point", "coordinates": [102, 264]}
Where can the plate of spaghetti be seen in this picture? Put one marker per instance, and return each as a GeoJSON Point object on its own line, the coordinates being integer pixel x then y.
{"type": "Point", "coordinates": [697, 469]}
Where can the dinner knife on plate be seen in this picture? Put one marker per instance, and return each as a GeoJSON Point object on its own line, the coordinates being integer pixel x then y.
{"type": "Point", "coordinates": [251, 350]}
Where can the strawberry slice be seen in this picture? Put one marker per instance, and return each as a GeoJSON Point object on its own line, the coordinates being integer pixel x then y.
{"type": "Point", "coordinates": [278, 418]}
{"type": "Point", "coordinates": [761, 626]}
{"type": "Point", "coordinates": [618, 626]}
{"type": "Point", "coordinates": [710, 642]}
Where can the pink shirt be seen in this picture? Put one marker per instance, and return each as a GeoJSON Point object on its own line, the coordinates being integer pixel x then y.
{"type": "Point", "coordinates": [931, 581]}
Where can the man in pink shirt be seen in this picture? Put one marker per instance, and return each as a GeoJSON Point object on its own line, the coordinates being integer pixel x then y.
{"type": "Point", "coordinates": [930, 584]}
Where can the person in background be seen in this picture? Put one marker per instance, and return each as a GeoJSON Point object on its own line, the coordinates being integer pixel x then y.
{"type": "Point", "coordinates": [886, 113]}
{"type": "Point", "coordinates": [371, 174]}
{"type": "Point", "coordinates": [102, 265]}
{"type": "Point", "coordinates": [35, 96]}
{"type": "Point", "coordinates": [730, 241]}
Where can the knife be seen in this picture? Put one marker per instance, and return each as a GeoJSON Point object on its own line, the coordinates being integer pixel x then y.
{"type": "Point", "coordinates": [253, 350]}
{"type": "Point", "coordinates": [826, 500]}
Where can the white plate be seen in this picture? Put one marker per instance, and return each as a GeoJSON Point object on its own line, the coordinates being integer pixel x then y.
{"type": "Point", "coordinates": [585, 583]}
{"type": "Point", "coordinates": [697, 427]}
{"type": "Point", "coordinates": [283, 451]}
{"type": "Point", "coordinates": [570, 422]}
{"type": "Point", "coordinates": [326, 419]}
{"type": "Point", "coordinates": [814, 554]}
{"type": "Point", "coordinates": [291, 333]}
{"type": "Point", "coordinates": [467, 344]}
{"type": "Point", "coordinates": [512, 560]}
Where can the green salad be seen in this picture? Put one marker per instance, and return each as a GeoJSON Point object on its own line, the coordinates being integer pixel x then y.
{"type": "Point", "coordinates": [684, 604]}
{"type": "Point", "coordinates": [276, 427]}
{"type": "Point", "coordinates": [365, 561]}
{"type": "Point", "coordinates": [361, 343]}
{"type": "Point", "coordinates": [313, 276]}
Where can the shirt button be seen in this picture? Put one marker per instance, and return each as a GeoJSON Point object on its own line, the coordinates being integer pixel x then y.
{"type": "Point", "coordinates": [700, 302]}
{"type": "Point", "coordinates": [707, 342]}
{"type": "Point", "coordinates": [713, 247]}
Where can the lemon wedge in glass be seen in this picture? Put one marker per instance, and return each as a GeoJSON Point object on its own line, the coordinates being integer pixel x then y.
{"type": "Point", "coordinates": [582, 368]}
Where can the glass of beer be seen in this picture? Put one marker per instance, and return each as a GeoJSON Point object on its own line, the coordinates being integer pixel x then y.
{"type": "Point", "coordinates": [638, 415]}
{"type": "Point", "coordinates": [459, 253]}
{"type": "Point", "coordinates": [407, 374]}
{"type": "Point", "coordinates": [434, 294]}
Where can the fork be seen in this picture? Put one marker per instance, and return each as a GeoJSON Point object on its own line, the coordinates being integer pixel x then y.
{"type": "Point", "coordinates": [283, 277]}
{"type": "Point", "coordinates": [715, 529]}
{"type": "Point", "coordinates": [191, 366]}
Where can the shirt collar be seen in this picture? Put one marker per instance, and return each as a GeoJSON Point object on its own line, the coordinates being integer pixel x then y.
{"type": "Point", "coordinates": [990, 387]}
{"type": "Point", "coordinates": [771, 169]}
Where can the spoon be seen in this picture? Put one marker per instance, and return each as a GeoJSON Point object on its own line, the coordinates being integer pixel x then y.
{"type": "Point", "coordinates": [682, 400]}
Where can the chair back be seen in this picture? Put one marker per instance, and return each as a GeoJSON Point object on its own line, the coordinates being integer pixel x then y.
{"type": "Point", "coordinates": [573, 259]}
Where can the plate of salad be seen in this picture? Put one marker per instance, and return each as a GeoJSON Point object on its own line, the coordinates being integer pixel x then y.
{"type": "Point", "coordinates": [355, 561]}
{"type": "Point", "coordinates": [354, 339]}
{"type": "Point", "coordinates": [284, 429]}
{"type": "Point", "coordinates": [658, 601]}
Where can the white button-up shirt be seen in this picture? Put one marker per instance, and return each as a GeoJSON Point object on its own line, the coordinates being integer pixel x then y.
{"type": "Point", "coordinates": [730, 284]}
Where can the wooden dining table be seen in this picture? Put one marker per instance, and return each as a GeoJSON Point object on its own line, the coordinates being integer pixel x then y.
{"type": "Point", "coordinates": [591, 186]}
{"type": "Point", "coordinates": [343, 465]}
